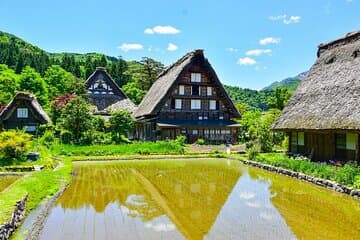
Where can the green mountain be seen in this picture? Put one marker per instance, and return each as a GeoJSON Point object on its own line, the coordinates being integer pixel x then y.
{"type": "Point", "coordinates": [290, 83]}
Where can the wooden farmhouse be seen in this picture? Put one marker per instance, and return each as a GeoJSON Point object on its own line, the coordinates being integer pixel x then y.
{"type": "Point", "coordinates": [322, 119]}
{"type": "Point", "coordinates": [23, 112]}
{"type": "Point", "coordinates": [105, 94]}
{"type": "Point", "coordinates": [187, 99]}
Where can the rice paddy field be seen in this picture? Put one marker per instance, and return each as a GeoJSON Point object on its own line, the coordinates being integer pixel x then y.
{"type": "Point", "coordinates": [196, 199]}
{"type": "Point", "coordinates": [6, 181]}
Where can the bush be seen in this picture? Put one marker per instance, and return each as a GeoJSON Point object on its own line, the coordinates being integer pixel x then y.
{"type": "Point", "coordinates": [14, 144]}
{"type": "Point", "coordinates": [253, 152]}
{"type": "Point", "coordinates": [48, 138]}
{"type": "Point", "coordinates": [181, 139]}
{"type": "Point", "coordinates": [65, 137]}
{"type": "Point", "coordinates": [201, 141]}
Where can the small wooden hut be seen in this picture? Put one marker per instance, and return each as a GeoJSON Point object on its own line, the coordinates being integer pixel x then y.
{"type": "Point", "coordinates": [322, 119]}
{"type": "Point", "coordinates": [187, 99]}
{"type": "Point", "coordinates": [23, 112]}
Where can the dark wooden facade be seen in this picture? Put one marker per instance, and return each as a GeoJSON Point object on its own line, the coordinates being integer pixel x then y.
{"type": "Point", "coordinates": [23, 112]}
{"type": "Point", "coordinates": [325, 145]}
{"type": "Point", "coordinates": [196, 105]}
{"type": "Point", "coordinates": [103, 92]}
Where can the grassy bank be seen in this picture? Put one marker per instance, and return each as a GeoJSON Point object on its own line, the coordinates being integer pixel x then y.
{"type": "Point", "coordinates": [348, 174]}
{"type": "Point", "coordinates": [38, 185]}
{"type": "Point", "coordinates": [144, 148]}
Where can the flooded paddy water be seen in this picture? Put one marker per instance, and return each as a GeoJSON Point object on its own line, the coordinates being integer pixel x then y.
{"type": "Point", "coordinates": [196, 199]}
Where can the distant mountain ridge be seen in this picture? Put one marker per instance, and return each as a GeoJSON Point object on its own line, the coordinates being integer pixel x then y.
{"type": "Point", "coordinates": [290, 83]}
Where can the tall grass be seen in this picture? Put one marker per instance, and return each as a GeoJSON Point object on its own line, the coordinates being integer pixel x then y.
{"type": "Point", "coordinates": [145, 148]}
{"type": "Point", "coordinates": [346, 174]}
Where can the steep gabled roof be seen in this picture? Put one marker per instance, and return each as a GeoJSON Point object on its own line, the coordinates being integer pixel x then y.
{"type": "Point", "coordinates": [31, 99]}
{"type": "Point", "coordinates": [329, 97]}
{"type": "Point", "coordinates": [165, 83]}
{"type": "Point", "coordinates": [124, 104]}
{"type": "Point", "coordinates": [102, 71]}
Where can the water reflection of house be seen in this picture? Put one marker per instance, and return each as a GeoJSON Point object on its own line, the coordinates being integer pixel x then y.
{"type": "Point", "coordinates": [322, 117]}
{"type": "Point", "coordinates": [190, 195]}
{"type": "Point", "coordinates": [23, 112]}
{"type": "Point", "coordinates": [106, 95]}
{"type": "Point", "coordinates": [187, 99]}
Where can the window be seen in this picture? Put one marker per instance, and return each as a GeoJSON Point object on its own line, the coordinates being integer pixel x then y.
{"type": "Point", "coordinates": [206, 131]}
{"type": "Point", "coordinates": [300, 139]}
{"type": "Point", "coordinates": [351, 141]}
{"type": "Point", "coordinates": [195, 132]}
{"type": "Point", "coordinates": [22, 113]}
{"type": "Point", "coordinates": [340, 141]}
{"type": "Point", "coordinates": [217, 131]}
{"type": "Point", "coordinates": [212, 104]}
{"type": "Point", "coordinates": [200, 118]}
{"type": "Point", "coordinates": [195, 77]}
{"type": "Point", "coordinates": [181, 90]}
{"type": "Point", "coordinates": [30, 128]}
{"type": "Point", "coordinates": [195, 90]}
{"type": "Point", "coordinates": [178, 103]}
{"type": "Point", "coordinates": [195, 104]}
{"type": "Point", "coordinates": [209, 91]}
{"type": "Point", "coordinates": [221, 117]}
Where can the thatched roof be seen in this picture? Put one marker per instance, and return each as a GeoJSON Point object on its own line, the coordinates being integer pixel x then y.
{"type": "Point", "coordinates": [124, 104]}
{"type": "Point", "coordinates": [32, 101]}
{"type": "Point", "coordinates": [329, 97]}
{"type": "Point", "coordinates": [166, 82]}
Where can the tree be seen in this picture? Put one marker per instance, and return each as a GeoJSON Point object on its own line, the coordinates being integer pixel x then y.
{"type": "Point", "coordinates": [58, 81]}
{"type": "Point", "coordinates": [76, 118]}
{"type": "Point", "coordinates": [279, 98]}
{"type": "Point", "coordinates": [121, 124]}
{"type": "Point", "coordinates": [149, 71]}
{"type": "Point", "coordinates": [9, 82]}
{"type": "Point", "coordinates": [57, 106]}
{"type": "Point", "coordinates": [31, 81]}
{"type": "Point", "coordinates": [133, 92]}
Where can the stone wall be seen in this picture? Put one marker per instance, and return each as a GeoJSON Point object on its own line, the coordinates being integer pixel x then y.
{"type": "Point", "coordinates": [7, 229]}
{"type": "Point", "coordinates": [318, 181]}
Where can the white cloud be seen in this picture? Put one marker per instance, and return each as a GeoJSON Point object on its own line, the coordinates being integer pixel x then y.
{"type": "Point", "coordinates": [161, 227]}
{"type": "Point", "coordinates": [258, 52]}
{"type": "Point", "coordinates": [232, 49]}
{"type": "Point", "coordinates": [292, 19]}
{"type": "Point", "coordinates": [247, 195]}
{"type": "Point", "coordinates": [246, 61]}
{"type": "Point", "coordinates": [286, 19]}
{"type": "Point", "coordinates": [172, 47]}
{"type": "Point", "coordinates": [277, 18]}
{"type": "Point", "coordinates": [269, 40]}
{"type": "Point", "coordinates": [131, 46]}
{"type": "Point", "coordinates": [162, 30]}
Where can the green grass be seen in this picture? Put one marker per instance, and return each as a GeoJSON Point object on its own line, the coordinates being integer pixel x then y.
{"type": "Point", "coordinates": [6, 181]}
{"type": "Point", "coordinates": [38, 185]}
{"type": "Point", "coordinates": [346, 174]}
{"type": "Point", "coordinates": [144, 148]}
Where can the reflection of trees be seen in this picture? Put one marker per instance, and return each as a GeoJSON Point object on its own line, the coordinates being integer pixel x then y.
{"type": "Point", "coordinates": [310, 211]}
{"type": "Point", "coordinates": [190, 193]}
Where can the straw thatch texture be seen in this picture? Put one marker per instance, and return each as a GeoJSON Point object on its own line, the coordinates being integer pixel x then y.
{"type": "Point", "coordinates": [124, 104]}
{"type": "Point", "coordinates": [329, 97]}
{"type": "Point", "coordinates": [31, 99]}
{"type": "Point", "coordinates": [166, 82]}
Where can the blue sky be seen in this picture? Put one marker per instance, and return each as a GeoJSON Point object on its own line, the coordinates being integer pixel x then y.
{"type": "Point", "coordinates": [249, 43]}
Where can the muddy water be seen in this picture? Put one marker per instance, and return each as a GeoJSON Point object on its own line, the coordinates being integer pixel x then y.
{"type": "Point", "coordinates": [196, 199]}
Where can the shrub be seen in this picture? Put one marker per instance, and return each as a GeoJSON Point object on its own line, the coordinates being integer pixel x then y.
{"type": "Point", "coordinates": [48, 138]}
{"type": "Point", "coordinates": [65, 137]}
{"type": "Point", "coordinates": [253, 152]}
{"type": "Point", "coordinates": [357, 182]}
{"type": "Point", "coordinates": [201, 141]}
{"type": "Point", "coordinates": [14, 144]}
{"type": "Point", "coordinates": [181, 139]}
